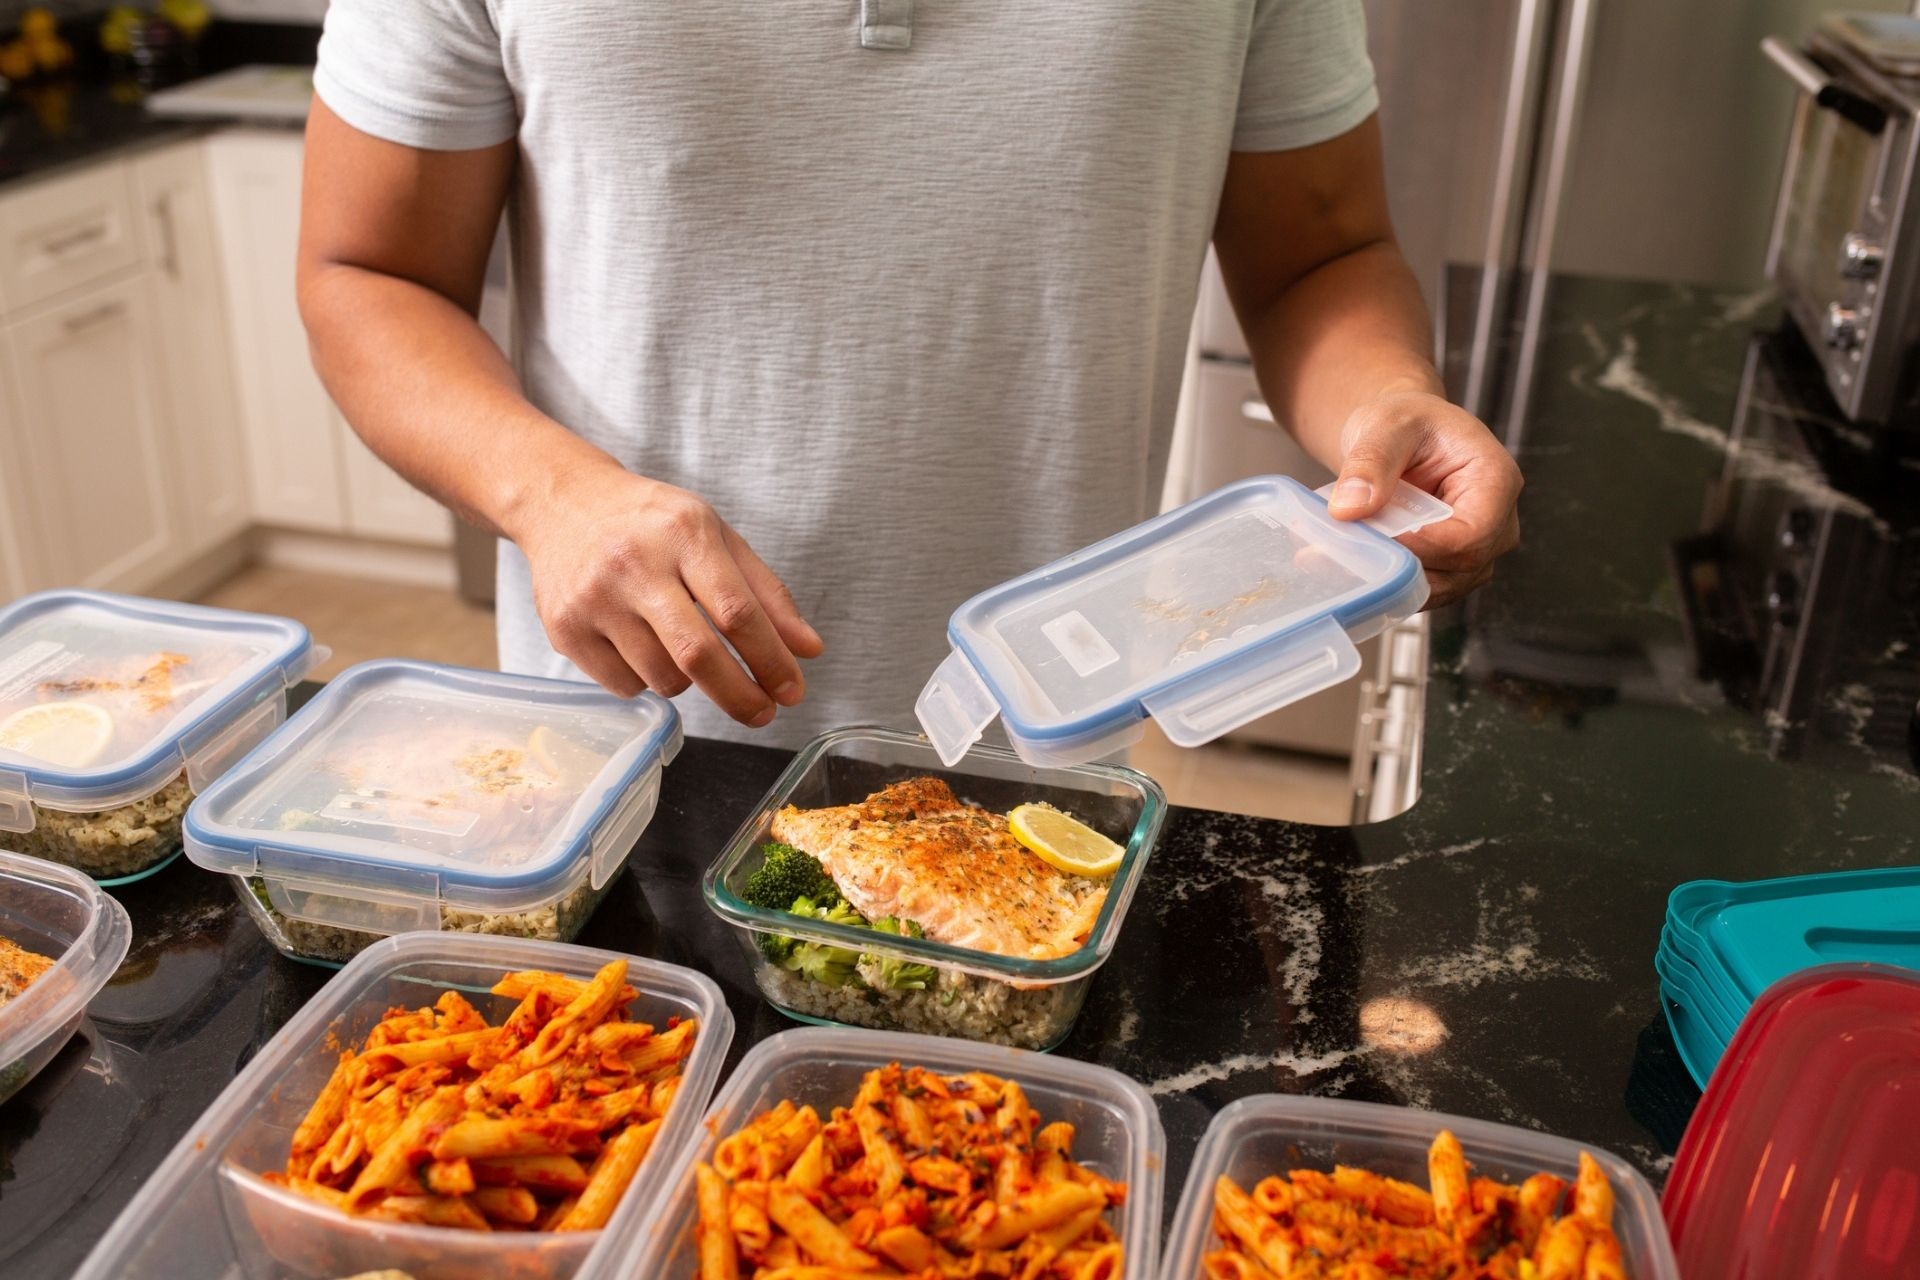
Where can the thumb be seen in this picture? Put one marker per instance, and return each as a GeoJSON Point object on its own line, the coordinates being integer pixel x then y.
{"type": "Point", "coordinates": [1380, 448]}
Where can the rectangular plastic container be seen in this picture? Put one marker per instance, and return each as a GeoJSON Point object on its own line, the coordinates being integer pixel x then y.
{"type": "Point", "coordinates": [410, 796]}
{"type": "Point", "coordinates": [1273, 1133]}
{"type": "Point", "coordinates": [1117, 1132]}
{"type": "Point", "coordinates": [1029, 1004]}
{"type": "Point", "coordinates": [205, 1212]}
{"type": "Point", "coordinates": [116, 711]}
{"type": "Point", "coordinates": [1204, 618]}
{"type": "Point", "coordinates": [62, 914]}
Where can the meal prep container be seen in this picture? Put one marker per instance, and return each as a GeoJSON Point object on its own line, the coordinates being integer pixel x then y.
{"type": "Point", "coordinates": [215, 684]}
{"type": "Point", "coordinates": [1206, 618]}
{"type": "Point", "coordinates": [410, 796]}
{"type": "Point", "coordinates": [1725, 942]}
{"type": "Point", "coordinates": [1030, 1004]}
{"type": "Point", "coordinates": [1273, 1133]}
{"type": "Point", "coordinates": [60, 913]}
{"type": "Point", "coordinates": [206, 1212]}
{"type": "Point", "coordinates": [1799, 1163]}
{"type": "Point", "coordinates": [1117, 1132]}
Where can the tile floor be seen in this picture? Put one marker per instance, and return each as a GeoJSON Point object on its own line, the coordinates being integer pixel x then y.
{"type": "Point", "coordinates": [361, 620]}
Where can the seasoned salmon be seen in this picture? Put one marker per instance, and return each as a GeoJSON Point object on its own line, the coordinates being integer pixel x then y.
{"type": "Point", "coordinates": [913, 850]}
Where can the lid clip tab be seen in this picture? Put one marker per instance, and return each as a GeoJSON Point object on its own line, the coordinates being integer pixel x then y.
{"type": "Point", "coordinates": [1407, 509]}
{"type": "Point", "coordinates": [955, 708]}
{"type": "Point", "coordinates": [1196, 711]}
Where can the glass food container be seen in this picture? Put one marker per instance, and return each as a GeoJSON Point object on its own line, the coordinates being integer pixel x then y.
{"type": "Point", "coordinates": [116, 711]}
{"type": "Point", "coordinates": [1205, 618]}
{"type": "Point", "coordinates": [411, 796]}
{"type": "Point", "coordinates": [63, 915]}
{"type": "Point", "coordinates": [1273, 1133]}
{"type": "Point", "coordinates": [1117, 1133]}
{"type": "Point", "coordinates": [207, 1212]}
{"type": "Point", "coordinates": [976, 995]}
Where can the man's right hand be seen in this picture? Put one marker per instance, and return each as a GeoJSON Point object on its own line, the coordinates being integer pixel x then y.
{"type": "Point", "coordinates": [637, 582]}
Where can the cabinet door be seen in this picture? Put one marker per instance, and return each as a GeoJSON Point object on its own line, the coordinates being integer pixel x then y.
{"type": "Point", "coordinates": [196, 369]}
{"type": "Point", "coordinates": [13, 499]}
{"type": "Point", "coordinates": [292, 450]}
{"type": "Point", "coordinates": [382, 505]}
{"type": "Point", "coordinates": [90, 438]}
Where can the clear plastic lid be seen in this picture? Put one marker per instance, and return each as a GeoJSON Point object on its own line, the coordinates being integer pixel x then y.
{"type": "Point", "coordinates": [1802, 1161]}
{"type": "Point", "coordinates": [405, 785]}
{"type": "Point", "coordinates": [105, 698]}
{"type": "Point", "coordinates": [61, 914]}
{"type": "Point", "coordinates": [1205, 618]}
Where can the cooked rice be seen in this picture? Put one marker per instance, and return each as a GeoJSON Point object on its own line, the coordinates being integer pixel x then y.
{"type": "Point", "coordinates": [115, 842]}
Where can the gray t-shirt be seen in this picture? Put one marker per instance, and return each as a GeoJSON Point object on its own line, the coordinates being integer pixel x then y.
{"type": "Point", "coordinates": [912, 318]}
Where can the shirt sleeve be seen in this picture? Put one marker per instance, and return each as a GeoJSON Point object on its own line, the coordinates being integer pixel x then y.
{"type": "Point", "coordinates": [422, 73]}
{"type": "Point", "coordinates": [1307, 75]}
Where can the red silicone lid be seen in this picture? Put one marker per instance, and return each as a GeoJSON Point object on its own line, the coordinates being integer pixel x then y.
{"type": "Point", "coordinates": [1803, 1160]}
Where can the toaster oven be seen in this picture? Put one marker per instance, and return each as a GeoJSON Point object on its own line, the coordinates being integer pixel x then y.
{"type": "Point", "coordinates": [1845, 245]}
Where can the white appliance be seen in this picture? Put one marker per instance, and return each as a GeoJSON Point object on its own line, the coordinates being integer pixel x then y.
{"type": "Point", "coordinates": [310, 11]}
{"type": "Point", "coordinates": [254, 92]}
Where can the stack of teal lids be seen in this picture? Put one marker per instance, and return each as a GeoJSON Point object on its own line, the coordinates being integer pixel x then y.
{"type": "Point", "coordinates": [1725, 943]}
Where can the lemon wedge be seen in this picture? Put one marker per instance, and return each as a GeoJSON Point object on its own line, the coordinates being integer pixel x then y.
{"type": "Point", "coordinates": [70, 734]}
{"type": "Point", "coordinates": [564, 759]}
{"type": "Point", "coordinates": [1064, 842]}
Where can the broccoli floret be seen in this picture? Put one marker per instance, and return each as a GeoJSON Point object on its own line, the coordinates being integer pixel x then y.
{"type": "Point", "coordinates": [819, 961]}
{"type": "Point", "coordinates": [776, 947]}
{"type": "Point", "coordinates": [787, 874]}
{"type": "Point", "coordinates": [891, 974]}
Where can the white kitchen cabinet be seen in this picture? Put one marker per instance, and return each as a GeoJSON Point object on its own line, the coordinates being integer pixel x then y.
{"type": "Point", "coordinates": [382, 505]}
{"type": "Point", "coordinates": [90, 438]}
{"type": "Point", "coordinates": [196, 368]}
{"type": "Point", "coordinates": [293, 448]}
{"type": "Point", "coordinates": [65, 233]}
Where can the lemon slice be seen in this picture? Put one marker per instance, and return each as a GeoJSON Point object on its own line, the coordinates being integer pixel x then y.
{"type": "Point", "coordinates": [564, 759]}
{"type": "Point", "coordinates": [70, 734]}
{"type": "Point", "coordinates": [1065, 842]}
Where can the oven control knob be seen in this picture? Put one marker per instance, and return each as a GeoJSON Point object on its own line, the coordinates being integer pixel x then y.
{"type": "Point", "coordinates": [1843, 327]}
{"type": "Point", "coordinates": [1860, 257]}
{"type": "Point", "coordinates": [1783, 598]}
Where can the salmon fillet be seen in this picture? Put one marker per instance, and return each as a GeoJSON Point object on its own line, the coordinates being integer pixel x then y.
{"type": "Point", "coordinates": [913, 850]}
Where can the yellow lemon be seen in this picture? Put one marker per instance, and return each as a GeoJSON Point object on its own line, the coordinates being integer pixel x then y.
{"type": "Point", "coordinates": [1064, 841]}
{"type": "Point", "coordinates": [70, 734]}
{"type": "Point", "coordinates": [564, 759]}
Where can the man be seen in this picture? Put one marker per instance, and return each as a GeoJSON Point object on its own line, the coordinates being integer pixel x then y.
{"type": "Point", "coordinates": [892, 294]}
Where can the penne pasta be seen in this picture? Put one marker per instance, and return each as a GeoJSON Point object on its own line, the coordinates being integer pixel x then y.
{"type": "Point", "coordinates": [442, 1120]}
{"type": "Point", "coordinates": [933, 1177]}
{"type": "Point", "coordinates": [1353, 1223]}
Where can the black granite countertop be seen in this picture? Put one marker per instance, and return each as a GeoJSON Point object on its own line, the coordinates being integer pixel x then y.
{"type": "Point", "coordinates": [99, 110]}
{"type": "Point", "coordinates": [1612, 716]}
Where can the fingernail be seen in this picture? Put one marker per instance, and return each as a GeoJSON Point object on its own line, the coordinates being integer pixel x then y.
{"type": "Point", "coordinates": [764, 719]}
{"type": "Point", "coordinates": [1352, 492]}
{"type": "Point", "coordinates": [787, 694]}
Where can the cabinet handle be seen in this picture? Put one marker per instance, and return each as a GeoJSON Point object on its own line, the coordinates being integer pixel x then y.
{"type": "Point", "coordinates": [99, 315]}
{"type": "Point", "coordinates": [1257, 410]}
{"type": "Point", "coordinates": [60, 246]}
{"type": "Point", "coordinates": [169, 252]}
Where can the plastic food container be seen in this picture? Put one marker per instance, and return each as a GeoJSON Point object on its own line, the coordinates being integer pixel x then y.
{"type": "Point", "coordinates": [206, 1212]}
{"type": "Point", "coordinates": [1117, 1132]}
{"type": "Point", "coordinates": [1800, 1162]}
{"type": "Point", "coordinates": [1026, 1003]}
{"type": "Point", "coordinates": [1206, 618]}
{"type": "Point", "coordinates": [412, 796]}
{"type": "Point", "coordinates": [1272, 1133]}
{"type": "Point", "coordinates": [115, 711]}
{"type": "Point", "coordinates": [62, 914]}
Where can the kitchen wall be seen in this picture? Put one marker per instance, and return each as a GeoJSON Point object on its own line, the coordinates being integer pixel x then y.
{"type": "Point", "coordinates": [1683, 127]}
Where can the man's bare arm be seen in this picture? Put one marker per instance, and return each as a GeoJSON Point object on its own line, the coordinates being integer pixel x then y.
{"type": "Point", "coordinates": [1343, 348]}
{"type": "Point", "coordinates": [631, 576]}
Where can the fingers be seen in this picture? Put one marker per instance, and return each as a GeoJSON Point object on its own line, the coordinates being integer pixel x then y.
{"type": "Point", "coordinates": [734, 610]}
{"type": "Point", "coordinates": [1380, 443]}
{"type": "Point", "coordinates": [697, 650]}
{"type": "Point", "coordinates": [641, 650]}
{"type": "Point", "coordinates": [597, 657]}
{"type": "Point", "coordinates": [795, 632]}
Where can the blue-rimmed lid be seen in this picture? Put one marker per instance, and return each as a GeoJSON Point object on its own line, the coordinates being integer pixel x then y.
{"type": "Point", "coordinates": [406, 786]}
{"type": "Point", "coordinates": [104, 699]}
{"type": "Point", "coordinates": [1205, 618]}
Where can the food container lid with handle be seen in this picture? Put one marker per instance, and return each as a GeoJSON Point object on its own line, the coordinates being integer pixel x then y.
{"type": "Point", "coordinates": [1206, 618]}
{"type": "Point", "coordinates": [105, 698]}
{"type": "Point", "coordinates": [404, 786]}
